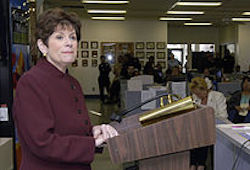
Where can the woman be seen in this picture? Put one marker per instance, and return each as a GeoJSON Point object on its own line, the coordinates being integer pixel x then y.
{"type": "Point", "coordinates": [203, 95]}
{"type": "Point", "coordinates": [239, 103]}
{"type": "Point", "coordinates": [49, 109]}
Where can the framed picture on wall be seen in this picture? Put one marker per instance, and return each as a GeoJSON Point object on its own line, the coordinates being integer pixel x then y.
{"type": "Point", "coordinates": [84, 45]}
{"type": "Point", "coordinates": [148, 54]}
{"type": "Point", "coordinates": [94, 45]}
{"type": "Point", "coordinates": [94, 63]}
{"type": "Point", "coordinates": [85, 63]}
{"type": "Point", "coordinates": [162, 63]}
{"type": "Point", "coordinates": [75, 63]}
{"type": "Point", "coordinates": [160, 55]}
{"type": "Point", "coordinates": [150, 45]}
{"type": "Point", "coordinates": [142, 63]}
{"type": "Point", "coordinates": [85, 54]}
{"type": "Point", "coordinates": [94, 54]}
{"type": "Point", "coordinates": [140, 54]}
{"type": "Point", "coordinates": [160, 45]}
{"type": "Point", "coordinates": [139, 45]}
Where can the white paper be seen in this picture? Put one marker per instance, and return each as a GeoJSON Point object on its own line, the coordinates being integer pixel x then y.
{"type": "Point", "coordinates": [4, 114]}
{"type": "Point", "coordinates": [145, 79]}
{"type": "Point", "coordinates": [145, 95]}
{"type": "Point", "coordinates": [179, 88]}
{"type": "Point", "coordinates": [134, 85]}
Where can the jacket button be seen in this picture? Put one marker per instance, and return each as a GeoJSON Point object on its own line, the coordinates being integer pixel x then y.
{"type": "Point", "coordinates": [86, 122]}
{"type": "Point", "coordinates": [73, 87]}
{"type": "Point", "coordinates": [76, 99]}
{"type": "Point", "coordinates": [79, 111]}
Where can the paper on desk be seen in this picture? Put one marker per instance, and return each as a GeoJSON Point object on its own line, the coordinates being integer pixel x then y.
{"type": "Point", "coordinates": [179, 88]}
{"type": "Point", "coordinates": [145, 79]}
{"type": "Point", "coordinates": [145, 95]}
{"type": "Point", "coordinates": [134, 85]}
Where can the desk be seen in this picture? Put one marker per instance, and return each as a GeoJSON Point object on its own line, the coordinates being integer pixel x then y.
{"type": "Point", "coordinates": [6, 154]}
{"type": "Point", "coordinates": [227, 146]}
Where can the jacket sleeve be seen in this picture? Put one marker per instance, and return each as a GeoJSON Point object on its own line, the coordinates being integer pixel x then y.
{"type": "Point", "coordinates": [35, 122]}
{"type": "Point", "coordinates": [221, 110]}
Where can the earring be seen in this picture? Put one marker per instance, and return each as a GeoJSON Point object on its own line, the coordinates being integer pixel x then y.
{"type": "Point", "coordinates": [44, 54]}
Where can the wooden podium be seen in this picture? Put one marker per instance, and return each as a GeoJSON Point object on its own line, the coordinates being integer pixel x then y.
{"type": "Point", "coordinates": [164, 145]}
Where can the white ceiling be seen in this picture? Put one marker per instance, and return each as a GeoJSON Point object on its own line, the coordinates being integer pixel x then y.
{"type": "Point", "coordinates": [153, 9]}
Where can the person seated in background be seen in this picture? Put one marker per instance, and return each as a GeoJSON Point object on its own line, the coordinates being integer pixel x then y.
{"type": "Point", "coordinates": [239, 103]}
{"type": "Point", "coordinates": [176, 75]}
{"type": "Point", "coordinates": [158, 75]}
{"type": "Point", "coordinates": [203, 95]}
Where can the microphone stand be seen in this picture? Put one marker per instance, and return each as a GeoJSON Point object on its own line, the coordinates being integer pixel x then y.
{"type": "Point", "coordinates": [118, 117]}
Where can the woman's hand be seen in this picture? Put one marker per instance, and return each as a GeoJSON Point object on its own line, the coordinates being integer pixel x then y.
{"type": "Point", "coordinates": [103, 132]}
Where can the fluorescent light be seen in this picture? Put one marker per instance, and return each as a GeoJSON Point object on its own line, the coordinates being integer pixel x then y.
{"type": "Point", "coordinates": [185, 12]}
{"type": "Point", "coordinates": [240, 19]}
{"type": "Point", "coordinates": [104, 2]}
{"type": "Point", "coordinates": [199, 24]}
{"type": "Point", "coordinates": [245, 13]}
{"type": "Point", "coordinates": [174, 19]}
{"type": "Point", "coordinates": [108, 18]}
{"type": "Point", "coordinates": [198, 3]}
{"type": "Point", "coordinates": [107, 11]}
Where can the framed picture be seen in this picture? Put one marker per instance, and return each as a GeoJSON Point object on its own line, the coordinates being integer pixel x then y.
{"type": "Point", "coordinates": [85, 63]}
{"type": "Point", "coordinates": [94, 63]}
{"type": "Point", "coordinates": [94, 54]}
{"type": "Point", "coordinates": [160, 45]}
{"type": "Point", "coordinates": [94, 45]}
{"type": "Point", "coordinates": [75, 63]}
{"type": "Point", "coordinates": [148, 54]}
{"type": "Point", "coordinates": [84, 45]}
{"type": "Point", "coordinates": [162, 63]}
{"type": "Point", "coordinates": [85, 54]}
{"type": "Point", "coordinates": [139, 45]}
{"type": "Point", "coordinates": [140, 54]}
{"type": "Point", "coordinates": [142, 63]}
{"type": "Point", "coordinates": [160, 55]}
{"type": "Point", "coordinates": [150, 45]}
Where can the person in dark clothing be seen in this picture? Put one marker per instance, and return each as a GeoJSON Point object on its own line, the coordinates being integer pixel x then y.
{"type": "Point", "coordinates": [158, 75]}
{"type": "Point", "coordinates": [238, 106]}
{"type": "Point", "coordinates": [149, 67]}
{"type": "Point", "coordinates": [103, 79]}
{"type": "Point", "coordinates": [228, 62]}
{"type": "Point", "coordinates": [49, 111]}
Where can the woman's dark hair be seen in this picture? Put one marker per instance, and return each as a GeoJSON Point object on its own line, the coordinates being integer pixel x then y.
{"type": "Point", "coordinates": [50, 19]}
{"type": "Point", "coordinates": [243, 81]}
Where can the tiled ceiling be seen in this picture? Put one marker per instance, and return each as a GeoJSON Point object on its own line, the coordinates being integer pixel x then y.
{"type": "Point", "coordinates": [153, 9]}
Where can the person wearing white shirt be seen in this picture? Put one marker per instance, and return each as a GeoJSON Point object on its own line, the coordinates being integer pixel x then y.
{"type": "Point", "coordinates": [202, 94]}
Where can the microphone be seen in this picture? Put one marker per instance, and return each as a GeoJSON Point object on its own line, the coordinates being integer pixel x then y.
{"type": "Point", "coordinates": [118, 117]}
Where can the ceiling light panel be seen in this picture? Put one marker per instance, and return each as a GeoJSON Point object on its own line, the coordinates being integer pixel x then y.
{"type": "Point", "coordinates": [246, 13]}
{"type": "Point", "coordinates": [107, 11]}
{"type": "Point", "coordinates": [199, 24]}
{"type": "Point", "coordinates": [108, 18]}
{"type": "Point", "coordinates": [186, 12]}
{"type": "Point", "coordinates": [104, 2]}
{"type": "Point", "coordinates": [198, 3]}
{"type": "Point", "coordinates": [174, 19]}
{"type": "Point", "coordinates": [241, 19]}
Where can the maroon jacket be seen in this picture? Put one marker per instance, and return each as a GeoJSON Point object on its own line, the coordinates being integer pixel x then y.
{"type": "Point", "coordinates": [52, 121]}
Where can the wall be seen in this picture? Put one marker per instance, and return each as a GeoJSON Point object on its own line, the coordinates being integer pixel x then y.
{"type": "Point", "coordinates": [114, 31]}
{"type": "Point", "coordinates": [193, 34]}
{"type": "Point", "coordinates": [228, 34]}
{"type": "Point", "coordinates": [243, 53]}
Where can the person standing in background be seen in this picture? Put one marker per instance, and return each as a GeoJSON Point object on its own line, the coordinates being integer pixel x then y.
{"type": "Point", "coordinates": [103, 79]}
{"type": "Point", "coordinates": [49, 109]}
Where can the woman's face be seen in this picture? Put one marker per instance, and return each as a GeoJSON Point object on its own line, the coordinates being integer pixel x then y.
{"type": "Point", "coordinates": [62, 47]}
{"type": "Point", "coordinates": [200, 93]}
